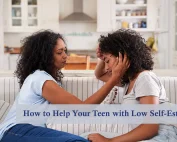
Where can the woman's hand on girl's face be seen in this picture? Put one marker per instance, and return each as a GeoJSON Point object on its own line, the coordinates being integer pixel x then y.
{"type": "Point", "coordinates": [120, 66]}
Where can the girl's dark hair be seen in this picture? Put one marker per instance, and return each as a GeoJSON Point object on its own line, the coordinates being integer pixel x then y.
{"type": "Point", "coordinates": [37, 53]}
{"type": "Point", "coordinates": [131, 43]}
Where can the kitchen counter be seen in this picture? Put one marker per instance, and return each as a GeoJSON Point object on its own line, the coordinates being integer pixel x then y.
{"type": "Point", "coordinates": [77, 73]}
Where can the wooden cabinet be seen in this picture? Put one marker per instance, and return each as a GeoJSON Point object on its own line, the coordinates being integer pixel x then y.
{"type": "Point", "coordinates": [77, 66]}
{"type": "Point", "coordinates": [93, 65]}
{"type": "Point", "coordinates": [79, 63]}
{"type": "Point", "coordinates": [30, 15]}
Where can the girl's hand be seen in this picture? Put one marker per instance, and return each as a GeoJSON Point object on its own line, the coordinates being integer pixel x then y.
{"type": "Point", "coordinates": [99, 54]}
{"type": "Point", "coordinates": [98, 138]}
{"type": "Point", "coordinates": [120, 66]}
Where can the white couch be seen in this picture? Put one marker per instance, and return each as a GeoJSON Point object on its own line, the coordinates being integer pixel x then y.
{"type": "Point", "coordinates": [82, 87]}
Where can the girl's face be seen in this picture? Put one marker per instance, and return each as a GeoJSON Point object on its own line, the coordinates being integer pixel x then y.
{"type": "Point", "coordinates": [59, 54]}
{"type": "Point", "coordinates": [109, 59]}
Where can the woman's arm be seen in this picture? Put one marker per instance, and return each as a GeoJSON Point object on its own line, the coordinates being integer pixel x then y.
{"type": "Point", "coordinates": [144, 131]}
{"type": "Point", "coordinates": [57, 95]}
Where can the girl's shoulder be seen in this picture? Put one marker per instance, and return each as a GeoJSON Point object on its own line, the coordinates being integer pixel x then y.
{"type": "Point", "coordinates": [147, 74]}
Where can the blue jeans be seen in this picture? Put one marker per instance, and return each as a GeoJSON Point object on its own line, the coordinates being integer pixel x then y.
{"type": "Point", "coordinates": [30, 133]}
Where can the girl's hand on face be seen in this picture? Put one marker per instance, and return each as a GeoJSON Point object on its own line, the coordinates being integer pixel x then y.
{"type": "Point", "coordinates": [120, 66]}
{"type": "Point", "coordinates": [99, 54]}
{"type": "Point", "coordinates": [98, 138]}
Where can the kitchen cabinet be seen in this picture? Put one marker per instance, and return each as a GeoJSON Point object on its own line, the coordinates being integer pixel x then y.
{"type": "Point", "coordinates": [142, 17]}
{"type": "Point", "coordinates": [77, 62]}
{"type": "Point", "coordinates": [30, 15]}
{"type": "Point", "coordinates": [80, 63]}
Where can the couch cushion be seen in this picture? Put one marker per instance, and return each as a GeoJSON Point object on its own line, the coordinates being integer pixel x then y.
{"type": "Point", "coordinates": [4, 108]}
{"type": "Point", "coordinates": [9, 88]}
{"type": "Point", "coordinates": [79, 129]}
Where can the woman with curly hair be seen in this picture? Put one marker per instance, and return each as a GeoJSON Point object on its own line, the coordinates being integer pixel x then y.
{"type": "Point", "coordinates": [43, 56]}
{"type": "Point", "coordinates": [142, 86]}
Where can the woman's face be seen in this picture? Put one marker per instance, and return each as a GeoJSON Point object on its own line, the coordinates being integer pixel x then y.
{"type": "Point", "coordinates": [109, 59]}
{"type": "Point", "coordinates": [59, 54]}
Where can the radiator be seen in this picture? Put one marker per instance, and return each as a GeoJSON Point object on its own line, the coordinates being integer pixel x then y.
{"type": "Point", "coordinates": [9, 88]}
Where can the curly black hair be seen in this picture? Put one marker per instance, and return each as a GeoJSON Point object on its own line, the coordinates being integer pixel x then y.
{"type": "Point", "coordinates": [131, 43]}
{"type": "Point", "coordinates": [37, 53]}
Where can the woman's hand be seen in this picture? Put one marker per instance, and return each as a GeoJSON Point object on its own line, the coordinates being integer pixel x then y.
{"type": "Point", "coordinates": [98, 138]}
{"type": "Point", "coordinates": [120, 66]}
{"type": "Point", "coordinates": [99, 54]}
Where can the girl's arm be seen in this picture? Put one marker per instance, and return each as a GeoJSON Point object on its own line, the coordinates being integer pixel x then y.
{"type": "Point", "coordinates": [143, 131]}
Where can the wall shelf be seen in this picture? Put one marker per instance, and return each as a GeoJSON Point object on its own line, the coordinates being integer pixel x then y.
{"type": "Point", "coordinates": [32, 17]}
{"type": "Point", "coordinates": [33, 6]}
{"type": "Point", "coordinates": [129, 17]}
{"type": "Point", "coordinates": [16, 6]}
{"type": "Point", "coordinates": [16, 17]}
{"type": "Point", "coordinates": [143, 16]}
{"type": "Point", "coordinates": [130, 5]}
{"type": "Point", "coordinates": [145, 30]}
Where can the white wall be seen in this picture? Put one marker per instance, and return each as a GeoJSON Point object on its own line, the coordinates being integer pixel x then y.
{"type": "Point", "coordinates": [1, 28]}
{"type": "Point", "coordinates": [82, 40]}
{"type": "Point", "coordinates": [1, 35]}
